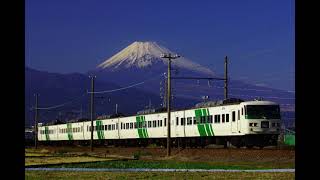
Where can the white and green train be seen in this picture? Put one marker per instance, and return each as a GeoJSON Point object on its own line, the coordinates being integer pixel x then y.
{"type": "Point", "coordinates": [249, 123]}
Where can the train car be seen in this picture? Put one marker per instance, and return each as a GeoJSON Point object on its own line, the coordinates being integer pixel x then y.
{"type": "Point", "coordinates": [237, 122]}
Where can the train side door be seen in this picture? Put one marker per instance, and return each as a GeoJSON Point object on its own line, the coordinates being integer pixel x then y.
{"type": "Point", "coordinates": [238, 121]}
{"type": "Point", "coordinates": [234, 123]}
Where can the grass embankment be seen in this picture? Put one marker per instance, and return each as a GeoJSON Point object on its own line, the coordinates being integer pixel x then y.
{"type": "Point", "coordinates": [155, 175]}
{"type": "Point", "coordinates": [45, 157]}
{"type": "Point", "coordinates": [63, 158]}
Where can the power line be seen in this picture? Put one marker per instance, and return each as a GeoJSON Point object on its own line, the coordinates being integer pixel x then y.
{"type": "Point", "coordinates": [271, 97]}
{"type": "Point", "coordinates": [60, 105]}
{"type": "Point", "coordinates": [127, 87]}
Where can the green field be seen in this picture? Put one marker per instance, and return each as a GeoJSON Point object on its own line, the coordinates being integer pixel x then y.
{"type": "Point", "coordinates": [175, 165]}
{"type": "Point", "coordinates": [156, 175]}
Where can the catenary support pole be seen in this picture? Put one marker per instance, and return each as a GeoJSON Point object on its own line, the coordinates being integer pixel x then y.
{"type": "Point", "coordinates": [226, 78]}
{"type": "Point", "coordinates": [169, 57]}
{"type": "Point", "coordinates": [92, 110]}
{"type": "Point", "coordinates": [36, 122]}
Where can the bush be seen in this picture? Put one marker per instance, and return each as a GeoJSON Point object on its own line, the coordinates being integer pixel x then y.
{"type": "Point", "coordinates": [136, 155]}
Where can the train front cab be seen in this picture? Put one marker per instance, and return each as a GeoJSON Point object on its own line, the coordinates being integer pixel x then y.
{"type": "Point", "coordinates": [261, 123]}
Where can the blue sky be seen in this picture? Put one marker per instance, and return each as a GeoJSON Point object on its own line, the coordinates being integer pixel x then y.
{"type": "Point", "coordinates": [75, 36]}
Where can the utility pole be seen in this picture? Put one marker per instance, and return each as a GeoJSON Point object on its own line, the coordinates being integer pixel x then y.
{"type": "Point", "coordinates": [36, 122]}
{"type": "Point", "coordinates": [91, 109]}
{"type": "Point", "coordinates": [169, 57]}
{"type": "Point", "coordinates": [226, 77]}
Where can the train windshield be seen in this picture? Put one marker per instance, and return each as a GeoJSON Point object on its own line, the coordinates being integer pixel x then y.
{"type": "Point", "coordinates": [262, 112]}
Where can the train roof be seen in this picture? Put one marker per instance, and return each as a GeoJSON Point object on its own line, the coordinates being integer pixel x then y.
{"type": "Point", "coordinates": [258, 103]}
{"type": "Point", "coordinates": [226, 102]}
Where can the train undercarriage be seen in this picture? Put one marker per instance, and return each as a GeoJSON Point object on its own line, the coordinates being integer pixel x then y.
{"type": "Point", "coordinates": [248, 141]}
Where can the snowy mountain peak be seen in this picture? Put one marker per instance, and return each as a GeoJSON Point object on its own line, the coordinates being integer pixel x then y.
{"type": "Point", "coordinates": [145, 54]}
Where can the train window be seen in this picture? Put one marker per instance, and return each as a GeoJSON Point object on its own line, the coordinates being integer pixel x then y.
{"type": "Point", "coordinates": [273, 124]}
{"type": "Point", "coordinates": [144, 124]}
{"type": "Point", "coordinates": [201, 119]}
{"type": "Point", "coordinates": [245, 110]}
{"type": "Point", "coordinates": [233, 116]}
{"type": "Point", "coordinates": [113, 126]}
{"type": "Point", "coordinates": [153, 123]}
{"type": "Point", "coordinates": [210, 119]}
{"type": "Point", "coordinates": [215, 118]}
{"type": "Point", "coordinates": [177, 121]}
{"type": "Point", "coordinates": [105, 127]}
{"type": "Point", "coordinates": [238, 114]}
{"type": "Point", "coordinates": [131, 125]}
{"type": "Point", "coordinates": [219, 118]}
{"type": "Point", "coordinates": [227, 117]}
{"type": "Point", "coordinates": [241, 111]}
{"type": "Point", "coordinates": [223, 118]}
{"type": "Point", "coordinates": [109, 127]}
{"type": "Point", "coordinates": [160, 123]}
{"type": "Point", "coordinates": [182, 121]}
{"type": "Point", "coordinates": [117, 126]}
{"type": "Point", "coordinates": [189, 120]}
{"type": "Point", "coordinates": [194, 120]}
{"type": "Point", "coordinates": [165, 121]}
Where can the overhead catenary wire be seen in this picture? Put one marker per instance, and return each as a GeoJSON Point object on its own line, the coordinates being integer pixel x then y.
{"type": "Point", "coordinates": [61, 105]}
{"type": "Point", "coordinates": [270, 97]}
{"type": "Point", "coordinates": [127, 87]}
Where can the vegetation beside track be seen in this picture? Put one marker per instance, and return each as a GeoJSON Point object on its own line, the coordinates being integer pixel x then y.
{"type": "Point", "coordinates": [155, 158]}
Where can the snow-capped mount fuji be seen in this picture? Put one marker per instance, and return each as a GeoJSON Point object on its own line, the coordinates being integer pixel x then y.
{"type": "Point", "coordinates": [141, 61]}
{"type": "Point", "coordinates": [143, 55]}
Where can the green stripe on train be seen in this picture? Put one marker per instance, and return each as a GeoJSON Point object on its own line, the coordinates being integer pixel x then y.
{"type": "Point", "coordinates": [69, 131]}
{"type": "Point", "coordinates": [46, 132]}
{"type": "Point", "coordinates": [142, 132]}
{"type": "Point", "coordinates": [99, 129]}
{"type": "Point", "coordinates": [205, 129]}
{"type": "Point", "coordinates": [201, 130]}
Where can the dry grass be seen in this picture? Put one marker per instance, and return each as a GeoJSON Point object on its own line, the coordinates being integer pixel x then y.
{"type": "Point", "coordinates": [58, 160]}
